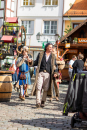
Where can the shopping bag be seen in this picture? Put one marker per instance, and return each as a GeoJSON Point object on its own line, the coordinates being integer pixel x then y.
{"type": "Point", "coordinates": [12, 69]}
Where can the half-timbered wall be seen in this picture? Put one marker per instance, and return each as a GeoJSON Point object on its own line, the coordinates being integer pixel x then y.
{"type": "Point", "coordinates": [1, 12]}
{"type": "Point", "coordinates": [10, 8]}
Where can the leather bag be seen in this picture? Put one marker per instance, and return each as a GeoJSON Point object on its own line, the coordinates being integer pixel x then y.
{"type": "Point", "coordinates": [22, 76]}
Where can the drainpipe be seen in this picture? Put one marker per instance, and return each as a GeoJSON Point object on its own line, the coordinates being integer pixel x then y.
{"type": "Point", "coordinates": [5, 4]}
{"type": "Point", "coordinates": [62, 18]}
{"type": "Point", "coordinates": [16, 8]}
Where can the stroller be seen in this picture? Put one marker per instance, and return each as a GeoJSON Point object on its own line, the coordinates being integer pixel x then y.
{"type": "Point", "coordinates": [76, 98]}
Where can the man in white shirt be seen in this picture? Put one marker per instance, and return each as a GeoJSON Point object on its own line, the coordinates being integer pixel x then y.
{"type": "Point", "coordinates": [70, 65]}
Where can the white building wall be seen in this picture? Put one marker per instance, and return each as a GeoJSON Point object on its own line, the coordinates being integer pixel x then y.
{"type": "Point", "coordinates": [67, 5]}
{"type": "Point", "coordinates": [7, 13]}
{"type": "Point", "coordinates": [10, 5]}
{"type": "Point", "coordinates": [1, 13]}
{"type": "Point", "coordinates": [39, 13]}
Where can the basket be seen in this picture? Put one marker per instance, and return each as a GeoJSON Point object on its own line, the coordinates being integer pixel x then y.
{"type": "Point", "coordinates": [61, 64]}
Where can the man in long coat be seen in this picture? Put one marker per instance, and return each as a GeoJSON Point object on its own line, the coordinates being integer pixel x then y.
{"type": "Point", "coordinates": [44, 75]}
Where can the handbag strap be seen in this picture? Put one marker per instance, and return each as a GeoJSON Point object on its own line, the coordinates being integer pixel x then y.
{"type": "Point", "coordinates": [24, 72]}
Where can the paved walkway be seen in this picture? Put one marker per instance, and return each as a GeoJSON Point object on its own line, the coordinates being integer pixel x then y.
{"type": "Point", "coordinates": [23, 115]}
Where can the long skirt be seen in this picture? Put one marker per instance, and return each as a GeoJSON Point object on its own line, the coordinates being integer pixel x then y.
{"type": "Point", "coordinates": [23, 84]}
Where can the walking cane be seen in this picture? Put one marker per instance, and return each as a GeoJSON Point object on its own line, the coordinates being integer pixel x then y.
{"type": "Point", "coordinates": [57, 42]}
{"type": "Point", "coordinates": [28, 65]}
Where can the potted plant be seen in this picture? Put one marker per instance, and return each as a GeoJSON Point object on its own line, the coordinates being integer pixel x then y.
{"type": "Point", "coordinates": [76, 40]}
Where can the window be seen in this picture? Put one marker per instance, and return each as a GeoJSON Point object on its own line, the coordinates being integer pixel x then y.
{"type": "Point", "coordinates": [50, 27]}
{"type": "Point", "coordinates": [51, 2]}
{"type": "Point", "coordinates": [28, 2]}
{"type": "Point", "coordinates": [29, 26]}
{"type": "Point", "coordinates": [75, 25]}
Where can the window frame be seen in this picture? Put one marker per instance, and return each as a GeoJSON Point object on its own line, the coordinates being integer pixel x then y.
{"type": "Point", "coordinates": [28, 4]}
{"type": "Point", "coordinates": [51, 3]}
{"type": "Point", "coordinates": [74, 24]}
{"type": "Point", "coordinates": [50, 34]}
{"type": "Point", "coordinates": [27, 27]}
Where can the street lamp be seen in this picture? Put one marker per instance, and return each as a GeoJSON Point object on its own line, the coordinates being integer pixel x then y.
{"type": "Point", "coordinates": [57, 42]}
{"type": "Point", "coordinates": [38, 36]}
{"type": "Point", "coordinates": [56, 37]}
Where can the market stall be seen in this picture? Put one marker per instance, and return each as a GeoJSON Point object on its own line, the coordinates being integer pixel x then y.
{"type": "Point", "coordinates": [13, 36]}
{"type": "Point", "coordinates": [76, 41]}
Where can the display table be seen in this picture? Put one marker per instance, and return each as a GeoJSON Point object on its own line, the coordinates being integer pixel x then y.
{"type": "Point", "coordinates": [5, 85]}
{"type": "Point", "coordinates": [5, 72]}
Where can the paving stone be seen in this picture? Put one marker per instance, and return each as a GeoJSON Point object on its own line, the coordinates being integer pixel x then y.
{"type": "Point", "coordinates": [23, 115]}
{"type": "Point", "coordinates": [22, 129]}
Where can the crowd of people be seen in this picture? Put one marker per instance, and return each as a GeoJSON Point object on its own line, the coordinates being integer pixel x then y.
{"type": "Point", "coordinates": [47, 75]}
{"type": "Point", "coordinates": [46, 71]}
{"type": "Point", "coordinates": [77, 65]}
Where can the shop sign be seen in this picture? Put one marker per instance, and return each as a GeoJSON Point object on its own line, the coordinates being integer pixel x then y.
{"type": "Point", "coordinates": [82, 40]}
{"type": "Point", "coordinates": [73, 51]}
{"type": "Point", "coordinates": [67, 45]}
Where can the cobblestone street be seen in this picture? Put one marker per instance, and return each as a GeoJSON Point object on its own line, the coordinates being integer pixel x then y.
{"type": "Point", "coordinates": [23, 115]}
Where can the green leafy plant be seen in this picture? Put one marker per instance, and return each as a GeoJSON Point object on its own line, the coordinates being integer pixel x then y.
{"type": "Point", "coordinates": [11, 24]}
{"type": "Point", "coordinates": [15, 39]}
{"type": "Point", "coordinates": [69, 27]}
{"type": "Point", "coordinates": [76, 39]}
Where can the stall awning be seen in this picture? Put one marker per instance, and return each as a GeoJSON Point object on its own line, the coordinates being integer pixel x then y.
{"type": "Point", "coordinates": [12, 20]}
{"type": "Point", "coordinates": [7, 39]}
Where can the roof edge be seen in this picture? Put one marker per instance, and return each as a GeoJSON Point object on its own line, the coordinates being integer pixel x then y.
{"type": "Point", "coordinates": [70, 8]}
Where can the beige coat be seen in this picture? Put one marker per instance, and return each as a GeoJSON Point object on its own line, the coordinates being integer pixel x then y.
{"type": "Point", "coordinates": [50, 90]}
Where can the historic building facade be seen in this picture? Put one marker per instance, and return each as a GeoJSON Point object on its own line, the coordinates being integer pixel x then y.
{"type": "Point", "coordinates": [40, 16]}
{"type": "Point", "coordinates": [37, 16]}
{"type": "Point", "coordinates": [75, 10]}
{"type": "Point", "coordinates": [6, 10]}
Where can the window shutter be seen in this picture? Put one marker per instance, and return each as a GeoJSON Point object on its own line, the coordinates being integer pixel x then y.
{"type": "Point", "coordinates": [32, 27]}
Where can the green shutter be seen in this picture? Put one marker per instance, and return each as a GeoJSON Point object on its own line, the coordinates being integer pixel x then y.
{"type": "Point", "coordinates": [43, 46]}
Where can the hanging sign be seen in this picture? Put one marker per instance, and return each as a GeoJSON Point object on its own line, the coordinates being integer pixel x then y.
{"type": "Point", "coordinates": [67, 45]}
{"type": "Point", "coordinates": [74, 51]}
{"type": "Point", "coordinates": [82, 40]}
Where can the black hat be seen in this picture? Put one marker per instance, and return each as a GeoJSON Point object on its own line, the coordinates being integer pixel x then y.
{"type": "Point", "coordinates": [47, 45]}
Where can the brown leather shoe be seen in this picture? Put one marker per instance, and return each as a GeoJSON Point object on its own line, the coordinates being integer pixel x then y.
{"type": "Point", "coordinates": [38, 105]}
{"type": "Point", "coordinates": [42, 104]}
{"type": "Point", "coordinates": [22, 98]}
{"type": "Point", "coordinates": [57, 99]}
{"type": "Point", "coordinates": [51, 99]}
